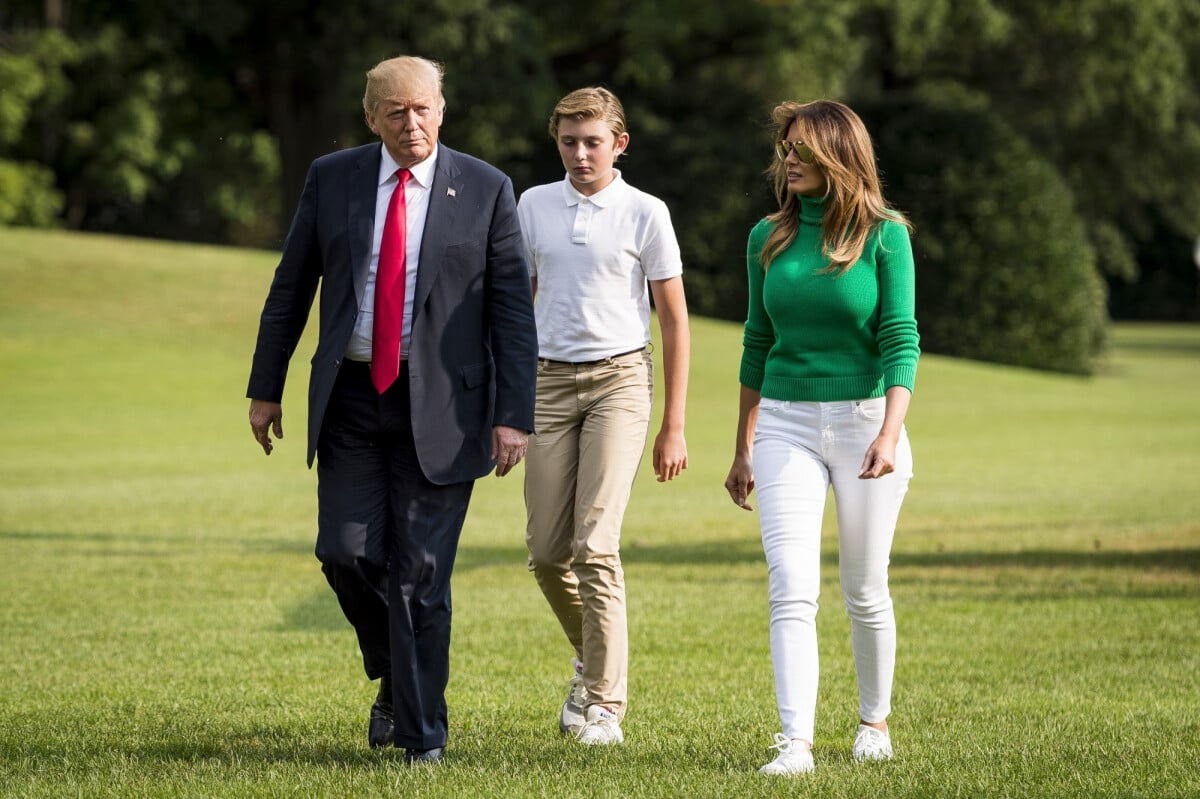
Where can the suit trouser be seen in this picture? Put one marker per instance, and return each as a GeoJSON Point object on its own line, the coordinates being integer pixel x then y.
{"type": "Point", "coordinates": [800, 450]}
{"type": "Point", "coordinates": [387, 538]}
{"type": "Point", "coordinates": [592, 421]}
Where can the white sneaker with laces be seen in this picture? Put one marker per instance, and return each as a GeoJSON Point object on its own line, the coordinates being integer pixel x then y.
{"type": "Point", "coordinates": [572, 718]}
{"type": "Point", "coordinates": [872, 744]}
{"type": "Point", "coordinates": [602, 727]}
{"type": "Point", "coordinates": [793, 758]}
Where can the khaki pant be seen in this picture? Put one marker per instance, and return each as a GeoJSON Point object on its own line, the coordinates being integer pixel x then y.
{"type": "Point", "coordinates": [592, 421]}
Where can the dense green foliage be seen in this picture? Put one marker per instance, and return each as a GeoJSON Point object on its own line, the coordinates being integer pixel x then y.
{"type": "Point", "coordinates": [167, 632]}
{"type": "Point", "coordinates": [1005, 270]}
{"type": "Point", "coordinates": [1105, 91]}
{"type": "Point", "coordinates": [197, 119]}
{"type": "Point", "coordinates": [27, 192]}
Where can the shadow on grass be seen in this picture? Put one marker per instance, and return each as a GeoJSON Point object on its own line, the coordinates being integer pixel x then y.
{"type": "Point", "coordinates": [1163, 343]}
{"type": "Point", "coordinates": [172, 755]}
{"type": "Point", "coordinates": [207, 747]}
{"type": "Point", "coordinates": [749, 551]}
{"type": "Point", "coordinates": [1163, 574]}
{"type": "Point", "coordinates": [319, 611]}
{"type": "Point", "coordinates": [725, 553]}
{"type": "Point", "coordinates": [97, 539]}
{"type": "Point", "coordinates": [1185, 560]}
{"type": "Point", "coordinates": [110, 544]}
{"type": "Point", "coordinates": [235, 750]}
{"type": "Point", "coordinates": [704, 553]}
{"type": "Point", "coordinates": [696, 554]}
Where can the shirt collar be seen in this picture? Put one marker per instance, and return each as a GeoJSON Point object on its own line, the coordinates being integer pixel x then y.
{"type": "Point", "coordinates": [422, 173]}
{"type": "Point", "coordinates": [603, 198]}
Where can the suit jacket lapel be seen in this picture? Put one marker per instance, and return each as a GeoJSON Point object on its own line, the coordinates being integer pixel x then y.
{"type": "Point", "coordinates": [363, 190]}
{"type": "Point", "coordinates": [439, 222]}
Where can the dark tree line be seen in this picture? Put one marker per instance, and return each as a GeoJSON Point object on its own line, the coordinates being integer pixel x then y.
{"type": "Point", "coordinates": [1049, 153]}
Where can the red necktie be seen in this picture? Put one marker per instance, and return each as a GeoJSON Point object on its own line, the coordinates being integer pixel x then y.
{"type": "Point", "coordinates": [389, 292]}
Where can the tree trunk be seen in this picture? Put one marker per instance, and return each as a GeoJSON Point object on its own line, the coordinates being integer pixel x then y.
{"type": "Point", "coordinates": [305, 119]}
{"type": "Point", "coordinates": [56, 13]}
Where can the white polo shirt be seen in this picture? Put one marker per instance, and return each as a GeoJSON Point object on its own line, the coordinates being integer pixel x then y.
{"type": "Point", "coordinates": [592, 257]}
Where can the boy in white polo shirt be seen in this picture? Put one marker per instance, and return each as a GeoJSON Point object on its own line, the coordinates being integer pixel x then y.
{"type": "Point", "coordinates": [598, 249]}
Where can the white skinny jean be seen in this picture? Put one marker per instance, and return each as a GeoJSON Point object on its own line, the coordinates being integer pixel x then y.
{"type": "Point", "coordinates": [800, 449]}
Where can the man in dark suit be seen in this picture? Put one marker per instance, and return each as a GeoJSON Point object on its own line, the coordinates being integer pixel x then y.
{"type": "Point", "coordinates": [423, 378]}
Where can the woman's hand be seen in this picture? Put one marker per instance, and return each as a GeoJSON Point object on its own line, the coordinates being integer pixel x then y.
{"type": "Point", "coordinates": [880, 458]}
{"type": "Point", "coordinates": [881, 455]}
{"type": "Point", "coordinates": [740, 481]}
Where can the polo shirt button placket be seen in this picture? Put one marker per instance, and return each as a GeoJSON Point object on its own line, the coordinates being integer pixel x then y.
{"type": "Point", "coordinates": [583, 222]}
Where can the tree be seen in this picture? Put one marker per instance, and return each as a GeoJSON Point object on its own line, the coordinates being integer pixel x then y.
{"type": "Point", "coordinates": [120, 121]}
{"type": "Point", "coordinates": [1005, 270]}
{"type": "Point", "coordinates": [197, 119]}
{"type": "Point", "coordinates": [698, 81]}
{"type": "Point", "coordinates": [27, 193]}
{"type": "Point", "coordinates": [1103, 89]}
{"type": "Point", "coordinates": [296, 69]}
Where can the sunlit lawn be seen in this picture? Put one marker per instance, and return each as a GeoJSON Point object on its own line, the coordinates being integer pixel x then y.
{"type": "Point", "coordinates": [165, 630]}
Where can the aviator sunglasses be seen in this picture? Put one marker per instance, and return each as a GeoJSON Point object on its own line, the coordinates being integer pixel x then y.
{"type": "Point", "coordinates": [804, 153]}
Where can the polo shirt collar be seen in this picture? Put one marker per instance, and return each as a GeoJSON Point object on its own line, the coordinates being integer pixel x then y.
{"type": "Point", "coordinates": [603, 198]}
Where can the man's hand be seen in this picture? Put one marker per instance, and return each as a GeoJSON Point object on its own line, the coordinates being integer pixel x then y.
{"type": "Point", "coordinates": [263, 417]}
{"type": "Point", "coordinates": [508, 447]}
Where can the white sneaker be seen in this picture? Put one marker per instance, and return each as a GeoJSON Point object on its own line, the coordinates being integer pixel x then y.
{"type": "Point", "coordinates": [872, 744]}
{"type": "Point", "coordinates": [602, 727]}
{"type": "Point", "coordinates": [792, 759]}
{"type": "Point", "coordinates": [572, 718]}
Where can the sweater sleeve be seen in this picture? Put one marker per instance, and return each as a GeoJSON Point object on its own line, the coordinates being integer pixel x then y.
{"type": "Point", "coordinates": [897, 337]}
{"type": "Point", "coordinates": [759, 334]}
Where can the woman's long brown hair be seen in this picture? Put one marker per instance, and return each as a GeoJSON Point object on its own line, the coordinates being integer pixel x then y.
{"type": "Point", "coordinates": [854, 202]}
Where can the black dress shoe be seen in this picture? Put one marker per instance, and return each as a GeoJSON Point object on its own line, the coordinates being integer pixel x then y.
{"type": "Point", "coordinates": [381, 730]}
{"type": "Point", "coordinates": [414, 756]}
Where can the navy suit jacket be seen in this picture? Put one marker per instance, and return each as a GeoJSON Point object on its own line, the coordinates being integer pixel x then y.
{"type": "Point", "coordinates": [472, 354]}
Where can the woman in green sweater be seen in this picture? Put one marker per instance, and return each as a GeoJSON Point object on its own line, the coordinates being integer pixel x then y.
{"type": "Point", "coordinates": [829, 359]}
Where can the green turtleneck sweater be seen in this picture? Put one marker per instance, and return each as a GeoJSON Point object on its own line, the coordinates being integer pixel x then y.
{"type": "Point", "coordinates": [816, 336]}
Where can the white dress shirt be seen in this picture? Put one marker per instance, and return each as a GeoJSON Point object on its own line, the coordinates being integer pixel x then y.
{"type": "Point", "coordinates": [416, 199]}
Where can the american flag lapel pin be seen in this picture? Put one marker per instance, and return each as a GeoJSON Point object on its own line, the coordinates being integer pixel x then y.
{"type": "Point", "coordinates": [451, 193]}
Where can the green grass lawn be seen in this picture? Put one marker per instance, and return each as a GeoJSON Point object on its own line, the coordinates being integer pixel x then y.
{"type": "Point", "coordinates": [165, 629]}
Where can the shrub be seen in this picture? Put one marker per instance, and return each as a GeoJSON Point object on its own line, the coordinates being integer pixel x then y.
{"type": "Point", "coordinates": [28, 196]}
{"type": "Point", "coordinates": [1005, 271]}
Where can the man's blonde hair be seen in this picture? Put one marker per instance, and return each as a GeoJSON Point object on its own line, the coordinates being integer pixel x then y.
{"type": "Point", "coordinates": [591, 103]}
{"type": "Point", "coordinates": [404, 77]}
